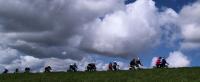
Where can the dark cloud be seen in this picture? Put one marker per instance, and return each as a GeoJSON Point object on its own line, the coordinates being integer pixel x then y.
{"type": "Point", "coordinates": [46, 28]}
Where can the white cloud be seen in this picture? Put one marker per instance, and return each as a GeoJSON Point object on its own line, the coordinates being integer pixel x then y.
{"type": "Point", "coordinates": [190, 26]}
{"type": "Point", "coordinates": [125, 32]}
{"type": "Point", "coordinates": [190, 45]}
{"type": "Point", "coordinates": [178, 59]}
{"type": "Point", "coordinates": [7, 55]}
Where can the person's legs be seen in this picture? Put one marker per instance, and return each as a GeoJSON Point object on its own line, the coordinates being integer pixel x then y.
{"type": "Point", "coordinates": [157, 66]}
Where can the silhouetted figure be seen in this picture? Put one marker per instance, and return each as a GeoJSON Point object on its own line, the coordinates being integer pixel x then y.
{"type": "Point", "coordinates": [91, 67]}
{"type": "Point", "coordinates": [138, 62]}
{"type": "Point", "coordinates": [27, 70]}
{"type": "Point", "coordinates": [158, 62]}
{"type": "Point", "coordinates": [17, 70]}
{"type": "Point", "coordinates": [5, 71]}
{"type": "Point", "coordinates": [47, 69]}
{"type": "Point", "coordinates": [132, 64]}
{"type": "Point", "coordinates": [110, 67]}
{"type": "Point", "coordinates": [135, 64]}
{"type": "Point", "coordinates": [164, 63]}
{"type": "Point", "coordinates": [115, 66]}
{"type": "Point", "coordinates": [73, 68]}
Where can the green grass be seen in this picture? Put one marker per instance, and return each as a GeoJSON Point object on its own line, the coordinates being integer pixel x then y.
{"type": "Point", "coordinates": [147, 75]}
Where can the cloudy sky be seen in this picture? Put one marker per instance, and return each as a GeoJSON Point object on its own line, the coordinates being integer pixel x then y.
{"type": "Point", "coordinates": [39, 33]}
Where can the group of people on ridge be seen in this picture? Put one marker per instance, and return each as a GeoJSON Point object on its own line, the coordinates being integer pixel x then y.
{"type": "Point", "coordinates": [135, 64]}
{"type": "Point", "coordinates": [161, 63]}
{"type": "Point", "coordinates": [113, 66]}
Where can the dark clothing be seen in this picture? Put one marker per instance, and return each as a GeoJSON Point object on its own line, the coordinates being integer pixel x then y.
{"type": "Point", "coordinates": [115, 66]}
{"type": "Point", "coordinates": [48, 69]}
{"type": "Point", "coordinates": [91, 67]}
{"type": "Point", "coordinates": [164, 63]}
{"type": "Point", "coordinates": [5, 71]}
{"type": "Point", "coordinates": [16, 70]}
{"type": "Point", "coordinates": [138, 62]}
{"type": "Point", "coordinates": [135, 63]}
{"type": "Point", "coordinates": [27, 70]}
{"type": "Point", "coordinates": [73, 68]}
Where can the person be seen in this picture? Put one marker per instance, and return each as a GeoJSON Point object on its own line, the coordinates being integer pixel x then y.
{"type": "Point", "coordinates": [27, 70]}
{"type": "Point", "coordinates": [91, 67]}
{"type": "Point", "coordinates": [17, 70]}
{"type": "Point", "coordinates": [135, 64]}
{"type": "Point", "coordinates": [115, 66]}
{"type": "Point", "coordinates": [5, 71]}
{"type": "Point", "coordinates": [164, 63]}
{"type": "Point", "coordinates": [132, 64]}
{"type": "Point", "coordinates": [110, 67]}
{"type": "Point", "coordinates": [73, 67]}
{"type": "Point", "coordinates": [158, 62]}
{"type": "Point", "coordinates": [47, 69]}
{"type": "Point", "coordinates": [138, 63]}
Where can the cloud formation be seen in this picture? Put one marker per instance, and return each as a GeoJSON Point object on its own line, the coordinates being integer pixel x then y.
{"type": "Point", "coordinates": [189, 25]}
{"type": "Point", "coordinates": [178, 59]}
{"type": "Point", "coordinates": [124, 32]}
{"type": "Point", "coordinates": [47, 28]}
{"type": "Point", "coordinates": [37, 33]}
{"type": "Point", "coordinates": [73, 29]}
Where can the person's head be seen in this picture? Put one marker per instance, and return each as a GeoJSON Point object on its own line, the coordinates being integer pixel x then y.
{"type": "Point", "coordinates": [114, 62]}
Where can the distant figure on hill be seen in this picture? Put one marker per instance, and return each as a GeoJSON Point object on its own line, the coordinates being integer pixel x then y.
{"type": "Point", "coordinates": [158, 62]}
{"type": "Point", "coordinates": [47, 69]}
{"type": "Point", "coordinates": [27, 70]}
{"type": "Point", "coordinates": [115, 66]}
{"type": "Point", "coordinates": [73, 68]}
{"type": "Point", "coordinates": [91, 67]}
{"type": "Point", "coordinates": [5, 71]}
{"type": "Point", "coordinates": [16, 70]}
{"type": "Point", "coordinates": [110, 67]}
{"type": "Point", "coordinates": [135, 64]}
{"type": "Point", "coordinates": [164, 63]}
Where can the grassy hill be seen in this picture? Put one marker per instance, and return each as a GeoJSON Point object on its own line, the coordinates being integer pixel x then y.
{"type": "Point", "coordinates": [147, 75]}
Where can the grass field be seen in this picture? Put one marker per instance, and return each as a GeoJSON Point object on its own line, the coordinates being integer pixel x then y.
{"type": "Point", "coordinates": [147, 75]}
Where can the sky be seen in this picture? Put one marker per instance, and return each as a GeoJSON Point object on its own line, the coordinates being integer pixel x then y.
{"type": "Point", "coordinates": [57, 33]}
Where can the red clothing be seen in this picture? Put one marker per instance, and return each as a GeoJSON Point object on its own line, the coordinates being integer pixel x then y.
{"type": "Point", "coordinates": [110, 67]}
{"type": "Point", "coordinates": [158, 61]}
